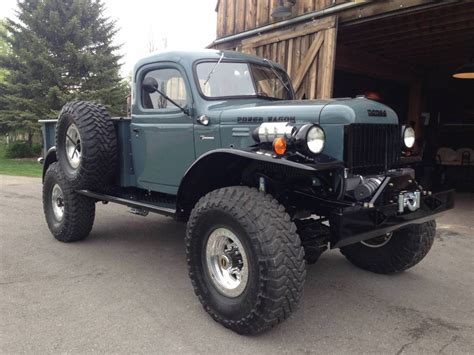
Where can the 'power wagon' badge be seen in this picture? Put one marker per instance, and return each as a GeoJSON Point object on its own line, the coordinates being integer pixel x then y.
{"type": "Point", "coordinates": [268, 119]}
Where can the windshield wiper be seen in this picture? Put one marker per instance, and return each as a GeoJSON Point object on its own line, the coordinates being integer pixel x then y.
{"type": "Point", "coordinates": [213, 69]}
{"type": "Point", "coordinates": [266, 97]}
{"type": "Point", "coordinates": [276, 73]}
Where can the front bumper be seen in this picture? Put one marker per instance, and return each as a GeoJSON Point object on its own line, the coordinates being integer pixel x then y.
{"type": "Point", "coordinates": [353, 224]}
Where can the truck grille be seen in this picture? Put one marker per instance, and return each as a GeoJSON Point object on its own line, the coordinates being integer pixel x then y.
{"type": "Point", "coordinates": [371, 147]}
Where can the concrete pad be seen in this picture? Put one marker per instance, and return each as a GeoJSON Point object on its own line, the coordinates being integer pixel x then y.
{"type": "Point", "coordinates": [125, 290]}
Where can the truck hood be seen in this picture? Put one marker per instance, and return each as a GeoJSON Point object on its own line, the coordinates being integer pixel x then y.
{"type": "Point", "coordinates": [335, 111]}
{"type": "Point", "coordinates": [358, 110]}
{"type": "Point", "coordinates": [294, 111]}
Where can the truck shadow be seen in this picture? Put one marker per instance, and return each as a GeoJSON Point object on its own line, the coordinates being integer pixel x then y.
{"type": "Point", "coordinates": [338, 298]}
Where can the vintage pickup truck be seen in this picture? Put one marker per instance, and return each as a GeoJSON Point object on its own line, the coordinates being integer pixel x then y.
{"type": "Point", "coordinates": [265, 182]}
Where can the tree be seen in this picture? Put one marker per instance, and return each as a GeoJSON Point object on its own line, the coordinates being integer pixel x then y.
{"type": "Point", "coordinates": [59, 50]}
{"type": "Point", "coordinates": [3, 49]}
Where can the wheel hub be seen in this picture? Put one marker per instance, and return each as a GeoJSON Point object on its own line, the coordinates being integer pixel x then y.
{"type": "Point", "coordinates": [57, 201]}
{"type": "Point", "coordinates": [227, 263]}
{"type": "Point", "coordinates": [73, 146]}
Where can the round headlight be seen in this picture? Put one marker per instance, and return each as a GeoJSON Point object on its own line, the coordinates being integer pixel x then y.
{"type": "Point", "coordinates": [409, 137]}
{"type": "Point", "coordinates": [315, 139]}
{"type": "Point", "coordinates": [310, 138]}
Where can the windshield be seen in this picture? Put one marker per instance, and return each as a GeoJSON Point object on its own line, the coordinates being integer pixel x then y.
{"type": "Point", "coordinates": [230, 79]}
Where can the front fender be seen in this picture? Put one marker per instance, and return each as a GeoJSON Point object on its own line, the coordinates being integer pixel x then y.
{"type": "Point", "coordinates": [224, 167]}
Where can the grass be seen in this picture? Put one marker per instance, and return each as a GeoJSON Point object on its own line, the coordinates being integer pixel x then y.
{"type": "Point", "coordinates": [19, 167]}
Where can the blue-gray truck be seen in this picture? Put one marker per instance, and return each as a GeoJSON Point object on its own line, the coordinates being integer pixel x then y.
{"type": "Point", "coordinates": [265, 182]}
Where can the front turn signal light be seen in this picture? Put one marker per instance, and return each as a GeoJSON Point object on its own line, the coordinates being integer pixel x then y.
{"type": "Point", "coordinates": [279, 145]}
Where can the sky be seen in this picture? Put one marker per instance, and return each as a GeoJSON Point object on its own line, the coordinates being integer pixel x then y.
{"type": "Point", "coordinates": [154, 25]}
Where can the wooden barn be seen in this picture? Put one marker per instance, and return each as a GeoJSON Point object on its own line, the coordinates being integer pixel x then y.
{"type": "Point", "coordinates": [405, 53]}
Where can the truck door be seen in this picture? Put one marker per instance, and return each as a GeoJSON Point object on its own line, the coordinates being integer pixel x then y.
{"type": "Point", "coordinates": [161, 134]}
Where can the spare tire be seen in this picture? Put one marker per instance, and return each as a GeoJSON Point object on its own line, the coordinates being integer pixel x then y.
{"type": "Point", "coordinates": [86, 145]}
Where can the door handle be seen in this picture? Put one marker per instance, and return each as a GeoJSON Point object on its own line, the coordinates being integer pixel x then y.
{"type": "Point", "coordinates": [206, 138]}
{"type": "Point", "coordinates": [135, 130]}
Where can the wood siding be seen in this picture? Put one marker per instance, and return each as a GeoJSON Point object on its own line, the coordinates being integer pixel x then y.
{"type": "Point", "coordinates": [306, 51]}
{"type": "Point", "coordinates": [234, 16]}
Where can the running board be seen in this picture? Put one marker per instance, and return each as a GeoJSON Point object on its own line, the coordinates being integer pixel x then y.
{"type": "Point", "coordinates": [170, 212]}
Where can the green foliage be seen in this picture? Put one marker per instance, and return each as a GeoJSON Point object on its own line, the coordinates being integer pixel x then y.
{"type": "Point", "coordinates": [22, 150]}
{"type": "Point", "coordinates": [3, 50]}
{"type": "Point", "coordinates": [58, 51]}
{"type": "Point", "coordinates": [24, 167]}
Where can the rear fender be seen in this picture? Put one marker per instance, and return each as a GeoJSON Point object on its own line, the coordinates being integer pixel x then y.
{"type": "Point", "coordinates": [49, 159]}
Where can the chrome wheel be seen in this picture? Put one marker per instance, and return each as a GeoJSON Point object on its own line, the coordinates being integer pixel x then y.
{"type": "Point", "coordinates": [227, 262]}
{"type": "Point", "coordinates": [378, 242]}
{"type": "Point", "coordinates": [57, 201]}
{"type": "Point", "coordinates": [73, 146]}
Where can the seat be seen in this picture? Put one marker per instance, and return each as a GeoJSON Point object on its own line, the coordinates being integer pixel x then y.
{"type": "Point", "coordinates": [446, 156]}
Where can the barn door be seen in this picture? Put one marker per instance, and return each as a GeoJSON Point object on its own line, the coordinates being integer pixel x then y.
{"type": "Point", "coordinates": [306, 51]}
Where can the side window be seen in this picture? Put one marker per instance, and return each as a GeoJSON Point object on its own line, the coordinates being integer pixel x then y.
{"type": "Point", "coordinates": [170, 82]}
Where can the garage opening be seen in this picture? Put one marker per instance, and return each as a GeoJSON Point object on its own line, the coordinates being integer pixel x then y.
{"type": "Point", "coordinates": [407, 60]}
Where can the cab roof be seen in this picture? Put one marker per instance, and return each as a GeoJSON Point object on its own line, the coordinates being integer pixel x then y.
{"type": "Point", "coordinates": [187, 58]}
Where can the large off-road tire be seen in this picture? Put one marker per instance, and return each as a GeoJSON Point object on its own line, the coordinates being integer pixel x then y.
{"type": "Point", "coordinates": [244, 259]}
{"type": "Point", "coordinates": [86, 145]}
{"type": "Point", "coordinates": [70, 216]}
{"type": "Point", "coordinates": [396, 252]}
{"type": "Point", "coordinates": [314, 238]}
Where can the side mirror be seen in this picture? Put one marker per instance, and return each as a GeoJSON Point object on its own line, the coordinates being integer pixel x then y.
{"type": "Point", "coordinates": [150, 85]}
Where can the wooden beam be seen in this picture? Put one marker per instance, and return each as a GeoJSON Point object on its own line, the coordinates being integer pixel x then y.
{"type": "Point", "coordinates": [304, 6]}
{"type": "Point", "coordinates": [397, 25]}
{"type": "Point", "coordinates": [239, 16]}
{"type": "Point", "coordinates": [307, 60]}
{"type": "Point", "coordinates": [282, 54]}
{"type": "Point", "coordinates": [289, 59]}
{"type": "Point", "coordinates": [427, 40]}
{"type": "Point", "coordinates": [221, 19]}
{"type": "Point", "coordinates": [433, 31]}
{"type": "Point", "coordinates": [288, 33]}
{"type": "Point", "coordinates": [383, 7]}
{"type": "Point", "coordinates": [328, 63]}
{"type": "Point", "coordinates": [296, 56]}
{"type": "Point", "coordinates": [441, 48]}
{"type": "Point", "coordinates": [262, 13]}
{"type": "Point", "coordinates": [250, 14]}
{"type": "Point", "coordinates": [360, 62]}
{"type": "Point", "coordinates": [230, 17]}
{"type": "Point", "coordinates": [313, 77]}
